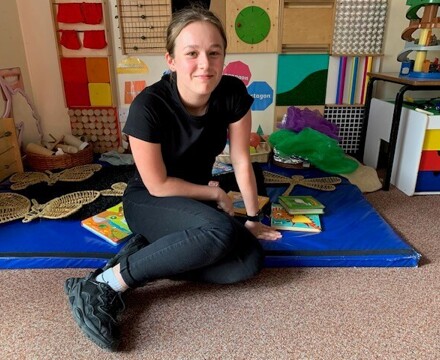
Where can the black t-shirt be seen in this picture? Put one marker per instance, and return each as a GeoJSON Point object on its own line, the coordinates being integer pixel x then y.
{"type": "Point", "coordinates": [189, 143]}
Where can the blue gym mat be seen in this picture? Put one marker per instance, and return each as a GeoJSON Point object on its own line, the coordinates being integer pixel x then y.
{"type": "Point", "coordinates": [354, 234]}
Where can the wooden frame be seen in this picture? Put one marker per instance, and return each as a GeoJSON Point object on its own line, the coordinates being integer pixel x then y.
{"type": "Point", "coordinates": [270, 44]}
{"type": "Point", "coordinates": [143, 25]}
{"type": "Point", "coordinates": [299, 32]}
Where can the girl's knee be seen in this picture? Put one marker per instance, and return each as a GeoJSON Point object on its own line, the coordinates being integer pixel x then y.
{"type": "Point", "coordinates": [243, 270]}
{"type": "Point", "coordinates": [222, 236]}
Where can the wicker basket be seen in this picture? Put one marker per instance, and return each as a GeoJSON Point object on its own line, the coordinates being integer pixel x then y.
{"type": "Point", "coordinates": [42, 162]}
{"type": "Point", "coordinates": [261, 156]}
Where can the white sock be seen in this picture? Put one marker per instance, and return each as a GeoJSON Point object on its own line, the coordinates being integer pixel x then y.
{"type": "Point", "coordinates": [108, 277]}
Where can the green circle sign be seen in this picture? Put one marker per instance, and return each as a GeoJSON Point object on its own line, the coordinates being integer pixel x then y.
{"type": "Point", "coordinates": [252, 24]}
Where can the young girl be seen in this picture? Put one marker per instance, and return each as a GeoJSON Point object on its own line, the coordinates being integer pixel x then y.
{"type": "Point", "coordinates": [176, 128]}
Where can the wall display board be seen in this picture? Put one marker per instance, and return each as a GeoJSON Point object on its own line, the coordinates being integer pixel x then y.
{"type": "Point", "coordinates": [359, 27]}
{"type": "Point", "coordinates": [286, 32]}
{"type": "Point", "coordinates": [142, 25]}
{"type": "Point", "coordinates": [349, 120]}
{"type": "Point", "coordinates": [307, 84]}
{"type": "Point", "coordinates": [299, 29]}
{"type": "Point", "coordinates": [85, 58]}
{"type": "Point", "coordinates": [252, 26]}
{"type": "Point", "coordinates": [98, 126]}
{"type": "Point", "coordinates": [258, 73]}
{"type": "Point", "coordinates": [84, 52]}
{"type": "Point", "coordinates": [81, 28]}
{"type": "Point", "coordinates": [348, 79]}
{"type": "Point", "coordinates": [86, 81]}
{"type": "Point", "coordinates": [345, 96]}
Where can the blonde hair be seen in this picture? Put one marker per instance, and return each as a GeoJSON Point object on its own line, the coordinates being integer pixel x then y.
{"type": "Point", "coordinates": [186, 16]}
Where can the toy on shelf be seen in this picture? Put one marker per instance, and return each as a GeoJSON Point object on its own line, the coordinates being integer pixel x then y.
{"type": "Point", "coordinates": [420, 67]}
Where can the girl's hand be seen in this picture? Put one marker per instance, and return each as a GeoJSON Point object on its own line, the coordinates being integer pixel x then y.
{"type": "Point", "coordinates": [224, 202]}
{"type": "Point", "coordinates": [261, 231]}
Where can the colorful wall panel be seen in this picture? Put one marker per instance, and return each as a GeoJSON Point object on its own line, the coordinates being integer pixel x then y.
{"type": "Point", "coordinates": [259, 75]}
{"type": "Point", "coordinates": [81, 28]}
{"type": "Point", "coordinates": [257, 71]}
{"type": "Point", "coordinates": [299, 67]}
{"type": "Point", "coordinates": [359, 27]}
{"type": "Point", "coordinates": [84, 50]}
{"type": "Point", "coordinates": [86, 81]}
{"type": "Point", "coordinates": [301, 79]}
{"type": "Point", "coordinates": [252, 26]}
{"type": "Point", "coordinates": [98, 126]}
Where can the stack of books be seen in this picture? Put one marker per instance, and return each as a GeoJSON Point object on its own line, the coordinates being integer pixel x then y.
{"type": "Point", "coordinates": [297, 213]}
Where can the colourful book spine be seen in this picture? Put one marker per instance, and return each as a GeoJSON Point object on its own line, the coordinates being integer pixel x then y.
{"type": "Point", "coordinates": [368, 66]}
{"type": "Point", "coordinates": [338, 85]}
{"type": "Point", "coordinates": [342, 80]}
{"type": "Point", "coordinates": [354, 70]}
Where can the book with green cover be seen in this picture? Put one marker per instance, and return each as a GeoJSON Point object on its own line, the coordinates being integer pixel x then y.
{"type": "Point", "coordinates": [280, 219]}
{"type": "Point", "coordinates": [301, 204]}
{"type": "Point", "coordinates": [109, 224]}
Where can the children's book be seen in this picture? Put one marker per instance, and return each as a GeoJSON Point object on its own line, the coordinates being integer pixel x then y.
{"type": "Point", "coordinates": [237, 201]}
{"type": "Point", "coordinates": [280, 219]}
{"type": "Point", "coordinates": [110, 225]}
{"type": "Point", "coordinates": [301, 204]}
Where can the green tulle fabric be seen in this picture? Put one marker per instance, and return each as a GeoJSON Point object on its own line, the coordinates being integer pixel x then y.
{"type": "Point", "coordinates": [319, 149]}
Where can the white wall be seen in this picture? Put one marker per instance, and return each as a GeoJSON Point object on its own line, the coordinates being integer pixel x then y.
{"type": "Point", "coordinates": [41, 52]}
{"type": "Point", "coordinates": [12, 55]}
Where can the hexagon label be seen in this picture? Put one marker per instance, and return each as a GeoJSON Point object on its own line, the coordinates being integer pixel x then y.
{"type": "Point", "coordinates": [239, 70]}
{"type": "Point", "coordinates": [262, 94]}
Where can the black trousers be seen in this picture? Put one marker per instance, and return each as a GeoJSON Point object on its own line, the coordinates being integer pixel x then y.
{"type": "Point", "coordinates": [189, 240]}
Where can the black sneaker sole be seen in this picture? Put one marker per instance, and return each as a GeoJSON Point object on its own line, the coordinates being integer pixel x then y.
{"type": "Point", "coordinates": [79, 319]}
{"type": "Point", "coordinates": [69, 285]}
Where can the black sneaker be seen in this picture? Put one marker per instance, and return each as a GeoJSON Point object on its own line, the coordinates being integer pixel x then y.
{"type": "Point", "coordinates": [95, 308]}
{"type": "Point", "coordinates": [136, 243]}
